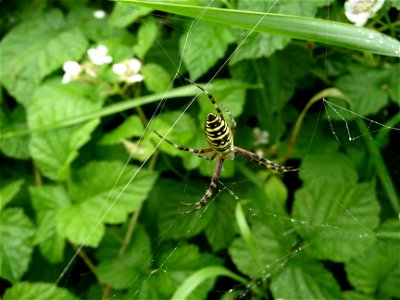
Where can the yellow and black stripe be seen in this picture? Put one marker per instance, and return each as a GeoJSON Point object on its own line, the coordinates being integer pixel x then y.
{"type": "Point", "coordinates": [218, 134]}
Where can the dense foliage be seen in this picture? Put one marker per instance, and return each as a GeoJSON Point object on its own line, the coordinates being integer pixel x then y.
{"type": "Point", "coordinates": [91, 200]}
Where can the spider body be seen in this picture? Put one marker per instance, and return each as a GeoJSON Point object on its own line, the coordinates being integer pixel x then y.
{"type": "Point", "coordinates": [220, 137]}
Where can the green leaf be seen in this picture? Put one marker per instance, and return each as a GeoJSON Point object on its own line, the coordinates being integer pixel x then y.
{"type": "Point", "coordinates": [156, 78]}
{"type": "Point", "coordinates": [167, 199]}
{"type": "Point", "coordinates": [123, 15]}
{"type": "Point", "coordinates": [272, 242]}
{"type": "Point", "coordinates": [368, 90]}
{"type": "Point", "coordinates": [184, 261]}
{"type": "Point", "coordinates": [47, 202]}
{"type": "Point", "coordinates": [37, 290]}
{"type": "Point", "coordinates": [16, 235]}
{"type": "Point", "coordinates": [55, 150]}
{"type": "Point", "coordinates": [276, 190]}
{"type": "Point", "coordinates": [304, 278]}
{"type": "Point", "coordinates": [341, 169]}
{"type": "Point", "coordinates": [221, 231]}
{"type": "Point", "coordinates": [258, 45]}
{"type": "Point", "coordinates": [309, 29]}
{"type": "Point", "coordinates": [199, 48]}
{"type": "Point", "coordinates": [377, 270]}
{"type": "Point", "coordinates": [180, 134]}
{"type": "Point", "coordinates": [104, 192]}
{"type": "Point", "coordinates": [81, 224]}
{"type": "Point", "coordinates": [342, 215]}
{"type": "Point", "coordinates": [147, 34]}
{"type": "Point", "coordinates": [131, 127]}
{"type": "Point", "coordinates": [8, 192]}
{"type": "Point", "coordinates": [34, 50]}
{"type": "Point", "coordinates": [122, 272]}
{"type": "Point", "coordinates": [17, 147]}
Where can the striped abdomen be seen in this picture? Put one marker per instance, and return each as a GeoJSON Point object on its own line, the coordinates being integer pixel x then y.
{"type": "Point", "coordinates": [219, 135]}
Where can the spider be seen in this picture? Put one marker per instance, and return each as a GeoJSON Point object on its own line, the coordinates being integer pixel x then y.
{"type": "Point", "coordinates": [220, 138]}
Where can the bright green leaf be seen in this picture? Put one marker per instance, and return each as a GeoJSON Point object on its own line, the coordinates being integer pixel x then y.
{"type": "Point", "coordinates": [34, 49]}
{"type": "Point", "coordinates": [37, 290]}
{"type": "Point", "coordinates": [8, 192]}
{"type": "Point", "coordinates": [147, 34]}
{"type": "Point", "coordinates": [123, 15]}
{"type": "Point", "coordinates": [342, 216]}
{"type": "Point", "coordinates": [199, 48]}
{"type": "Point", "coordinates": [16, 235]}
{"type": "Point", "coordinates": [105, 192]}
{"type": "Point", "coordinates": [53, 102]}
{"type": "Point", "coordinates": [156, 78]}
{"type": "Point", "coordinates": [47, 202]}
{"type": "Point", "coordinates": [17, 147]}
{"type": "Point", "coordinates": [112, 189]}
{"type": "Point", "coordinates": [81, 225]}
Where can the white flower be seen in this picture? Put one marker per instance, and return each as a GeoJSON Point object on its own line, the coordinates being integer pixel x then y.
{"type": "Point", "coordinates": [128, 71]}
{"type": "Point", "coordinates": [72, 70]}
{"type": "Point", "coordinates": [261, 137]}
{"type": "Point", "coordinates": [359, 11]}
{"type": "Point", "coordinates": [98, 56]}
{"type": "Point", "coordinates": [99, 14]}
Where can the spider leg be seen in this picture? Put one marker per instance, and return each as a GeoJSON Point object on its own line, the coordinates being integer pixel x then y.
{"type": "Point", "coordinates": [209, 97]}
{"type": "Point", "coordinates": [198, 152]}
{"type": "Point", "coordinates": [254, 157]}
{"type": "Point", "coordinates": [234, 124]}
{"type": "Point", "coordinates": [213, 185]}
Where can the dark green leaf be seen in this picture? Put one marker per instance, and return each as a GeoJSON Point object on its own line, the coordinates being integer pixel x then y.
{"type": "Point", "coordinates": [367, 89]}
{"type": "Point", "coordinates": [377, 270]}
{"type": "Point", "coordinates": [122, 272]}
{"type": "Point", "coordinates": [304, 278]}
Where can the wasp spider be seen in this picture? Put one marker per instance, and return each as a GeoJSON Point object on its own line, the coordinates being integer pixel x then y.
{"type": "Point", "coordinates": [220, 137]}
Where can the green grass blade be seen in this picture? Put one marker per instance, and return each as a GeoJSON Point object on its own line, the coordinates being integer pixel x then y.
{"type": "Point", "coordinates": [185, 91]}
{"type": "Point", "coordinates": [309, 29]}
{"type": "Point", "coordinates": [194, 280]}
{"type": "Point", "coordinates": [380, 166]}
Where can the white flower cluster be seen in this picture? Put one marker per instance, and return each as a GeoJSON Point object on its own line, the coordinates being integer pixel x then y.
{"type": "Point", "coordinates": [359, 11]}
{"type": "Point", "coordinates": [128, 71]}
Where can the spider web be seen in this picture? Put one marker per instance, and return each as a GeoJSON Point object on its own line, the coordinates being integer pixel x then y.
{"type": "Point", "coordinates": [305, 234]}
